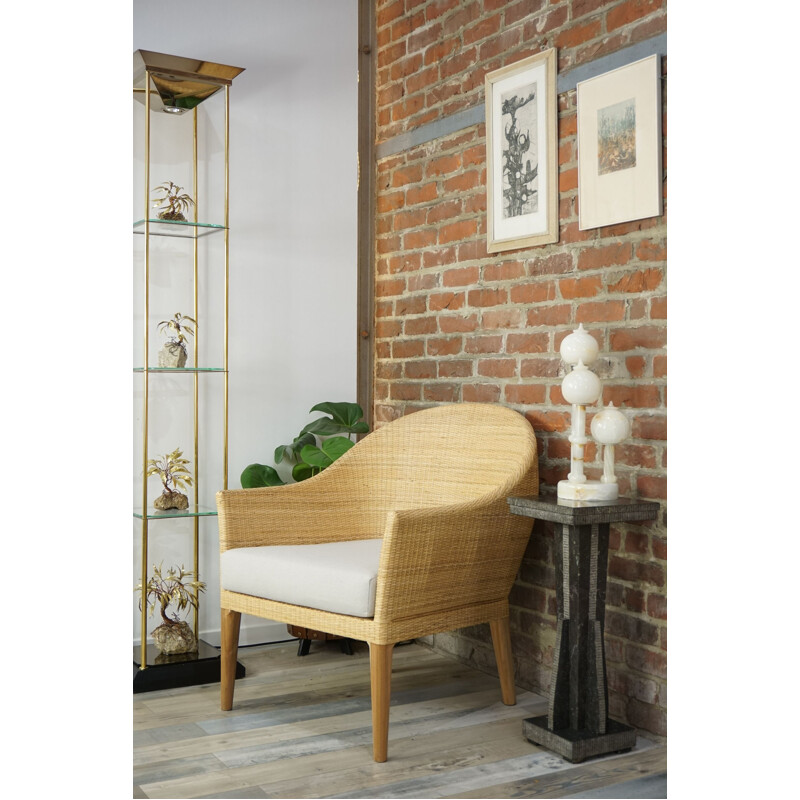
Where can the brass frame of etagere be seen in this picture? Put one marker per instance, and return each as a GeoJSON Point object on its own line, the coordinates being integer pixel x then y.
{"type": "Point", "coordinates": [174, 84]}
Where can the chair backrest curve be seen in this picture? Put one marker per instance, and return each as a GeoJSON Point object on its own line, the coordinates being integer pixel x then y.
{"type": "Point", "coordinates": [439, 456]}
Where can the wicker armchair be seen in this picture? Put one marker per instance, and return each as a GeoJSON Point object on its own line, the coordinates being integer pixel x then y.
{"type": "Point", "coordinates": [432, 486]}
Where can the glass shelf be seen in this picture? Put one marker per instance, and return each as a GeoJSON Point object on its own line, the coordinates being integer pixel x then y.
{"type": "Point", "coordinates": [185, 230]}
{"type": "Point", "coordinates": [192, 511]}
{"type": "Point", "coordinates": [179, 369]}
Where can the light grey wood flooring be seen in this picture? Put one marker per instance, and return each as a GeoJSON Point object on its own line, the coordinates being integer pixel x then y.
{"type": "Point", "coordinates": [300, 728]}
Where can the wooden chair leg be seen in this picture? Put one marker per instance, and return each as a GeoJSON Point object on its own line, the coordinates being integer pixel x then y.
{"type": "Point", "coordinates": [501, 639]}
{"type": "Point", "coordinates": [230, 649]}
{"type": "Point", "coordinates": [380, 674]}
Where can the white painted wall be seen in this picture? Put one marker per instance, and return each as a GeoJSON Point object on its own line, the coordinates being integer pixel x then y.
{"type": "Point", "coordinates": [293, 173]}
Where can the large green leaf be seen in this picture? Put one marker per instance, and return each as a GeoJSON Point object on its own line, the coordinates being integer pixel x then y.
{"type": "Point", "coordinates": [347, 414]}
{"type": "Point", "coordinates": [302, 471]}
{"type": "Point", "coordinates": [291, 451]}
{"type": "Point", "coordinates": [313, 456]}
{"type": "Point", "coordinates": [336, 446]}
{"type": "Point", "coordinates": [256, 475]}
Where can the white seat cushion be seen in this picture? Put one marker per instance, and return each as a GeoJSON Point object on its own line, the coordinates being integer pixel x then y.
{"type": "Point", "coordinates": [338, 576]}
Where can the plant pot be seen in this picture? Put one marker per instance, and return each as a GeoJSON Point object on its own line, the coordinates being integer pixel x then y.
{"type": "Point", "coordinates": [172, 216]}
{"type": "Point", "coordinates": [171, 355]}
{"type": "Point", "coordinates": [177, 638]}
{"type": "Point", "coordinates": [169, 500]}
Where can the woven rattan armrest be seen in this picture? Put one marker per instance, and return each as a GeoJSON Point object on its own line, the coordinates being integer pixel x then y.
{"type": "Point", "coordinates": [433, 558]}
{"type": "Point", "coordinates": [298, 513]}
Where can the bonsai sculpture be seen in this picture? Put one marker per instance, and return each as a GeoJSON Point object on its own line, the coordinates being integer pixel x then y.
{"type": "Point", "coordinates": [172, 470]}
{"type": "Point", "coordinates": [174, 353]}
{"type": "Point", "coordinates": [308, 457]}
{"type": "Point", "coordinates": [172, 636]}
{"type": "Point", "coordinates": [172, 203]}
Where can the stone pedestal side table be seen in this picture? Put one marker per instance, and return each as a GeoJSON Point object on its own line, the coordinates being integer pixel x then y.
{"type": "Point", "coordinates": [577, 725]}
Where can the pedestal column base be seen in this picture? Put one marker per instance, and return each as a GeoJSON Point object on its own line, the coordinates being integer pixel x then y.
{"type": "Point", "coordinates": [577, 746]}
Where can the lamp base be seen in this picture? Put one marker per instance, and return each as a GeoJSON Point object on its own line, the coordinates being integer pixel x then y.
{"type": "Point", "coordinates": [588, 490]}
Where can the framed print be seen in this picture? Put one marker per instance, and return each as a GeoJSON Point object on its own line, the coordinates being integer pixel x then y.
{"type": "Point", "coordinates": [619, 145]}
{"type": "Point", "coordinates": [521, 161]}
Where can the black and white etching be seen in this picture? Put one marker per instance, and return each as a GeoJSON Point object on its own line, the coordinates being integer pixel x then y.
{"type": "Point", "coordinates": [520, 151]}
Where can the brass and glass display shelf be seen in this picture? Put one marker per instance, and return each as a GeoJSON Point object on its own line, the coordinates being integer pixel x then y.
{"type": "Point", "coordinates": [177, 85]}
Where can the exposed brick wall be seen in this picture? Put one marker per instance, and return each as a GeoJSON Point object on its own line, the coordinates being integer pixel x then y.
{"type": "Point", "coordinates": [454, 324]}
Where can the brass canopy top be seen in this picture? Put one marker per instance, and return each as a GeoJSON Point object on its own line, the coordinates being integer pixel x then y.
{"type": "Point", "coordinates": [178, 84]}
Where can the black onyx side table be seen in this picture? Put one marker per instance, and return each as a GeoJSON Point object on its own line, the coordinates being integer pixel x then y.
{"type": "Point", "coordinates": [577, 725]}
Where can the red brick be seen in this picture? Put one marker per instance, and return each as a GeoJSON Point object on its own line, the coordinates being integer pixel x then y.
{"type": "Point", "coordinates": [503, 318]}
{"type": "Point", "coordinates": [632, 396]}
{"type": "Point", "coordinates": [647, 661]}
{"type": "Point", "coordinates": [481, 298]}
{"type": "Point", "coordinates": [658, 308]}
{"type": "Point", "coordinates": [538, 292]}
{"type": "Point", "coordinates": [420, 283]}
{"type": "Point", "coordinates": [480, 393]}
{"type": "Point", "coordinates": [404, 391]}
{"type": "Point", "coordinates": [526, 394]}
{"type": "Point", "coordinates": [420, 326]}
{"type": "Point", "coordinates": [420, 369]}
{"type": "Point", "coordinates": [409, 219]}
{"type": "Point", "coordinates": [481, 30]}
{"type": "Point", "coordinates": [504, 271]}
{"type": "Point", "coordinates": [568, 180]}
{"type": "Point", "coordinates": [540, 368]}
{"type": "Point", "coordinates": [578, 34]}
{"type": "Point", "coordinates": [527, 343]}
{"type": "Point", "coordinates": [441, 392]}
{"type": "Point", "coordinates": [483, 344]}
{"type": "Point", "coordinates": [652, 487]}
{"type": "Point", "coordinates": [636, 366]}
{"type": "Point", "coordinates": [463, 181]}
{"type": "Point", "coordinates": [630, 11]}
{"type": "Point", "coordinates": [455, 368]}
{"type": "Point", "coordinates": [410, 348]}
{"type": "Point", "coordinates": [444, 347]}
{"type": "Point", "coordinates": [441, 301]}
{"type": "Point", "coordinates": [415, 240]}
{"type": "Point", "coordinates": [608, 311]}
{"type": "Point", "coordinates": [390, 202]}
{"type": "Point", "coordinates": [643, 280]}
{"type": "Point", "coordinates": [457, 231]}
{"type": "Point", "coordinates": [460, 276]}
{"type": "Point", "coordinates": [406, 175]}
{"type": "Point", "coordinates": [650, 427]}
{"type": "Point", "coordinates": [497, 367]}
{"type": "Point", "coordinates": [611, 255]}
{"type": "Point", "coordinates": [556, 264]}
{"type": "Point", "coordinates": [549, 315]}
{"type": "Point", "coordinates": [441, 211]}
{"type": "Point", "coordinates": [387, 328]}
{"type": "Point", "coordinates": [426, 193]}
{"type": "Point", "coordinates": [572, 288]}
{"type": "Point", "coordinates": [657, 606]}
{"type": "Point", "coordinates": [659, 366]}
{"type": "Point", "coordinates": [649, 250]}
{"type": "Point", "coordinates": [443, 165]}
{"type": "Point", "coordinates": [649, 338]}
{"type": "Point", "coordinates": [456, 324]}
{"type": "Point", "coordinates": [389, 12]}
{"type": "Point", "coordinates": [635, 455]}
{"type": "Point", "coordinates": [389, 288]}
{"type": "Point", "coordinates": [421, 80]}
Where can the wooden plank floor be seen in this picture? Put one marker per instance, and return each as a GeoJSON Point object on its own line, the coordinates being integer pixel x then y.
{"type": "Point", "coordinates": [301, 728]}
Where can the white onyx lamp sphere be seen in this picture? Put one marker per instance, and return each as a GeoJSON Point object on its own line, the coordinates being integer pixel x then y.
{"type": "Point", "coordinates": [581, 387]}
{"type": "Point", "coordinates": [610, 426]}
{"type": "Point", "coordinates": [579, 346]}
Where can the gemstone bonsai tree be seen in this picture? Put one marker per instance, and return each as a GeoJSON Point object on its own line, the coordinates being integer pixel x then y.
{"type": "Point", "coordinates": [172, 469]}
{"type": "Point", "coordinates": [174, 353]}
{"type": "Point", "coordinates": [172, 203]}
{"type": "Point", "coordinates": [316, 447]}
{"type": "Point", "coordinates": [173, 635]}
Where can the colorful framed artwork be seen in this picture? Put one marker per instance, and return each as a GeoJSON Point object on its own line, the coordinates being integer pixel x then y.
{"type": "Point", "coordinates": [521, 144]}
{"type": "Point", "coordinates": [619, 145]}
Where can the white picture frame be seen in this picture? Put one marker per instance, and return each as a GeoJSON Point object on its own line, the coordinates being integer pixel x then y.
{"type": "Point", "coordinates": [619, 145]}
{"type": "Point", "coordinates": [521, 153]}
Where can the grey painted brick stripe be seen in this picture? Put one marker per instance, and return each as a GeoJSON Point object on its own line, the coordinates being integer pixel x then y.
{"type": "Point", "coordinates": [566, 81]}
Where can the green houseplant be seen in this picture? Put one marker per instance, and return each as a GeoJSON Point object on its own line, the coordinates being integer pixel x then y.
{"type": "Point", "coordinates": [316, 447]}
{"type": "Point", "coordinates": [173, 635]}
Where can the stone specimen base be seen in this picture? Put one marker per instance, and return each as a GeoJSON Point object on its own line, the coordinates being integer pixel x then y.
{"type": "Point", "coordinates": [577, 746]}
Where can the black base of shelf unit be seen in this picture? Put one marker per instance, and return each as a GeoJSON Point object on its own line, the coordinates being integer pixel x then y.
{"type": "Point", "coordinates": [183, 669]}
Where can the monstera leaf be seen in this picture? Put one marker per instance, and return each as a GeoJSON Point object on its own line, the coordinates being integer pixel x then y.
{"type": "Point", "coordinates": [256, 475]}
